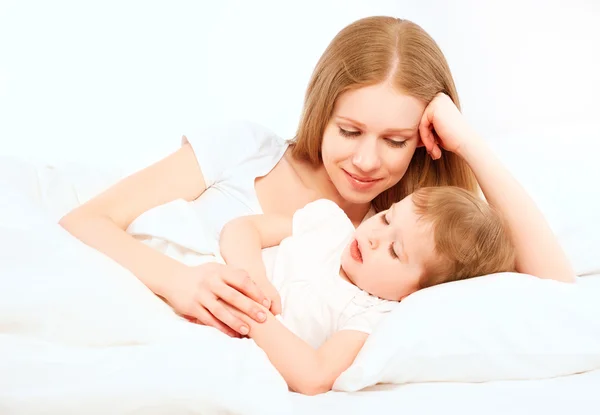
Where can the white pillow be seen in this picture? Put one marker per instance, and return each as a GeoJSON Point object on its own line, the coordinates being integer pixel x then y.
{"type": "Point", "coordinates": [498, 327]}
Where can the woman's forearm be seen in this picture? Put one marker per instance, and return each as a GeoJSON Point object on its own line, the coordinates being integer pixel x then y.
{"type": "Point", "coordinates": [151, 267]}
{"type": "Point", "coordinates": [538, 250]}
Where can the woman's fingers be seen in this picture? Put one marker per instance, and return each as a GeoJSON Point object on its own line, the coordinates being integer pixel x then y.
{"type": "Point", "coordinates": [427, 134]}
{"type": "Point", "coordinates": [205, 317]}
{"type": "Point", "coordinates": [239, 301]}
{"type": "Point", "coordinates": [209, 300]}
{"type": "Point", "coordinates": [241, 281]}
{"type": "Point", "coordinates": [276, 306]}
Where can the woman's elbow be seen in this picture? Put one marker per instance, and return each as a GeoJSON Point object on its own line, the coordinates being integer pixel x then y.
{"type": "Point", "coordinates": [71, 219]}
{"type": "Point", "coordinates": [569, 278]}
{"type": "Point", "coordinates": [67, 220]}
{"type": "Point", "coordinates": [313, 386]}
{"type": "Point", "coordinates": [566, 274]}
{"type": "Point", "coordinates": [76, 221]}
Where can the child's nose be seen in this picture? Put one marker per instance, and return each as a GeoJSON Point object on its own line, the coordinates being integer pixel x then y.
{"type": "Point", "coordinates": [373, 240]}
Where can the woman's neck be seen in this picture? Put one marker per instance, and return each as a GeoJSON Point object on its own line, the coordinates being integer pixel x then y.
{"type": "Point", "coordinates": [317, 179]}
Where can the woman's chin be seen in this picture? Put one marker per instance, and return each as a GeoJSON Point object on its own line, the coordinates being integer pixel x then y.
{"type": "Point", "coordinates": [358, 198]}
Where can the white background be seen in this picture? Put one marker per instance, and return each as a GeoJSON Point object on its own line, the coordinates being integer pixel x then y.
{"type": "Point", "coordinates": [120, 81]}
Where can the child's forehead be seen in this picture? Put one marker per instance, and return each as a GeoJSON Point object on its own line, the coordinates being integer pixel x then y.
{"type": "Point", "coordinates": [402, 207]}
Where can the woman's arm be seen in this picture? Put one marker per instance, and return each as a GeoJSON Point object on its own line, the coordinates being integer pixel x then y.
{"type": "Point", "coordinates": [538, 251]}
{"type": "Point", "coordinates": [101, 223]}
{"type": "Point", "coordinates": [306, 370]}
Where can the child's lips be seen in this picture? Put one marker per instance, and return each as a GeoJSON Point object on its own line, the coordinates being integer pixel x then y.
{"type": "Point", "coordinates": [355, 251]}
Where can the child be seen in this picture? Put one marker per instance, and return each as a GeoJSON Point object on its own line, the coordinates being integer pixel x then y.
{"type": "Point", "coordinates": [336, 282]}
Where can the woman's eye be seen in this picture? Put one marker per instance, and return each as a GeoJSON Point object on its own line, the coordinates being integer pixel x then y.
{"type": "Point", "coordinates": [348, 133]}
{"type": "Point", "coordinates": [396, 143]}
{"type": "Point", "coordinates": [392, 252]}
{"type": "Point", "coordinates": [384, 219]}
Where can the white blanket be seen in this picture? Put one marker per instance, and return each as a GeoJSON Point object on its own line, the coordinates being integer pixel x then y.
{"type": "Point", "coordinates": [80, 334]}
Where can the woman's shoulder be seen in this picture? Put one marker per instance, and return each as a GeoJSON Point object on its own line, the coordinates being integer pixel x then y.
{"type": "Point", "coordinates": [242, 133]}
{"type": "Point", "coordinates": [221, 145]}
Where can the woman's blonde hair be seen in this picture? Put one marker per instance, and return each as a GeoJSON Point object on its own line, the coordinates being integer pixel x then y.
{"type": "Point", "coordinates": [470, 237]}
{"type": "Point", "coordinates": [365, 53]}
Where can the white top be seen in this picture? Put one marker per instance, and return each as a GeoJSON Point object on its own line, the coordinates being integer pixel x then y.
{"type": "Point", "coordinates": [231, 156]}
{"type": "Point", "coordinates": [316, 300]}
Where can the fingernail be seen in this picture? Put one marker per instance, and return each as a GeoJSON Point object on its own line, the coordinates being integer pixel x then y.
{"type": "Point", "coordinates": [244, 330]}
{"type": "Point", "coordinates": [266, 303]}
{"type": "Point", "coordinates": [261, 316]}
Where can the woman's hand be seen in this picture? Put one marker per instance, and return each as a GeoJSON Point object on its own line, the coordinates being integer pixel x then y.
{"type": "Point", "coordinates": [443, 126]}
{"type": "Point", "coordinates": [272, 294]}
{"type": "Point", "coordinates": [198, 293]}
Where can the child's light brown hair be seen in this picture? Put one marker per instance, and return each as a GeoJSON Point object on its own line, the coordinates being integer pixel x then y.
{"type": "Point", "coordinates": [470, 237]}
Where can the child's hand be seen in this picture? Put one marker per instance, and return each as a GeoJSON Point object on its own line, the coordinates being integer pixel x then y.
{"type": "Point", "coordinates": [443, 126]}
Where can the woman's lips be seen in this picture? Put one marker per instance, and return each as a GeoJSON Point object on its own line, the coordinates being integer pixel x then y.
{"type": "Point", "coordinates": [360, 182]}
{"type": "Point", "coordinates": [355, 251]}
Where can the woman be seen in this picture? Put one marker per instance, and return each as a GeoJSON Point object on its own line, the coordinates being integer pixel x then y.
{"type": "Point", "coordinates": [380, 120]}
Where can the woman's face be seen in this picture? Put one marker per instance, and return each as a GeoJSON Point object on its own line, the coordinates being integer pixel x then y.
{"type": "Point", "coordinates": [370, 140]}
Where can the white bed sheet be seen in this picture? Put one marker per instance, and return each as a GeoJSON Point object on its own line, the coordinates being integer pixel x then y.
{"type": "Point", "coordinates": [27, 189]}
{"type": "Point", "coordinates": [576, 394]}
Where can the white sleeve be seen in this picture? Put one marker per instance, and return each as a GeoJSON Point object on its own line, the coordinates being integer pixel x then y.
{"type": "Point", "coordinates": [223, 146]}
{"type": "Point", "coordinates": [320, 216]}
{"type": "Point", "coordinates": [366, 316]}
{"type": "Point", "coordinates": [320, 231]}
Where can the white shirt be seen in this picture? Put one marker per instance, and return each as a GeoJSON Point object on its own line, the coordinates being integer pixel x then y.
{"type": "Point", "coordinates": [231, 156]}
{"type": "Point", "coordinates": [316, 300]}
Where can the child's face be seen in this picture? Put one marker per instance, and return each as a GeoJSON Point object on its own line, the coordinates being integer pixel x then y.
{"type": "Point", "coordinates": [389, 251]}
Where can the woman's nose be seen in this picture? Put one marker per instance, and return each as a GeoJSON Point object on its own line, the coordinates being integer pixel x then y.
{"type": "Point", "coordinates": [365, 158]}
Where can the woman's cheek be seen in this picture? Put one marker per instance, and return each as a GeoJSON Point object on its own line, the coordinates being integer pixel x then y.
{"type": "Point", "coordinates": [398, 165]}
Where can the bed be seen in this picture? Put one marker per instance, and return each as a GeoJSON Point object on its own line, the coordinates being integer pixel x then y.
{"type": "Point", "coordinates": [89, 338]}
{"type": "Point", "coordinates": [577, 394]}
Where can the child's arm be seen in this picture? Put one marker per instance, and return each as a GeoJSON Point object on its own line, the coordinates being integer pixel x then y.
{"type": "Point", "coordinates": [242, 240]}
{"type": "Point", "coordinates": [306, 370]}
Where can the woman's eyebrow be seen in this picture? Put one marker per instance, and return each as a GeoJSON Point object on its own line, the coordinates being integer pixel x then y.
{"type": "Point", "coordinates": [357, 123]}
{"type": "Point", "coordinates": [386, 131]}
{"type": "Point", "coordinates": [411, 130]}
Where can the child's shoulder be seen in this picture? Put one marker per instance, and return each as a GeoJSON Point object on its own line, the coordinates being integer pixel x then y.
{"type": "Point", "coordinates": [321, 214]}
{"type": "Point", "coordinates": [323, 205]}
